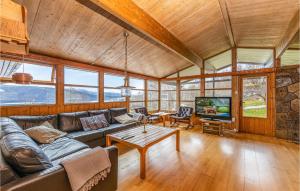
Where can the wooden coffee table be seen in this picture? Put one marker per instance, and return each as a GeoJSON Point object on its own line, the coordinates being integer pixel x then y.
{"type": "Point", "coordinates": [135, 138]}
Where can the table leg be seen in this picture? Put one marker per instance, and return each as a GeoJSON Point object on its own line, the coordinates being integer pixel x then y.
{"type": "Point", "coordinates": [143, 163]}
{"type": "Point", "coordinates": [164, 120]}
{"type": "Point", "coordinates": [178, 140]}
{"type": "Point", "coordinates": [108, 141]}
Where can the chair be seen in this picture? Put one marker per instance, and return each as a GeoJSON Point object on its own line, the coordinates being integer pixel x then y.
{"type": "Point", "coordinates": [150, 118]}
{"type": "Point", "coordinates": [184, 114]}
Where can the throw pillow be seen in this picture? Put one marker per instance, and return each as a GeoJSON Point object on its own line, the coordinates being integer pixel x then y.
{"type": "Point", "coordinates": [138, 116]}
{"type": "Point", "coordinates": [44, 133]}
{"type": "Point", "coordinates": [124, 119]}
{"type": "Point", "coordinates": [94, 122]}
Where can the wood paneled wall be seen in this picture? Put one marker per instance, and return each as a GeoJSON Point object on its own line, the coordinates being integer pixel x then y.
{"type": "Point", "coordinates": [60, 107]}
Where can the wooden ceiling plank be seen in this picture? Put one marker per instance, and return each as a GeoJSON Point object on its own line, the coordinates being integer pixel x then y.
{"type": "Point", "coordinates": [288, 36]}
{"type": "Point", "coordinates": [227, 22]}
{"type": "Point", "coordinates": [128, 13]}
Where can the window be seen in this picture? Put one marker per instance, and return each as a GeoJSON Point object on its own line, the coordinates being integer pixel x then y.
{"type": "Point", "coordinates": [255, 97]}
{"type": "Point", "coordinates": [153, 95]}
{"type": "Point", "coordinates": [218, 86]}
{"type": "Point", "coordinates": [168, 96]}
{"type": "Point", "coordinates": [290, 57]}
{"type": "Point", "coordinates": [81, 86]}
{"type": "Point", "coordinates": [251, 59]}
{"type": "Point", "coordinates": [41, 91]}
{"type": "Point", "coordinates": [112, 92]}
{"type": "Point", "coordinates": [137, 98]}
{"type": "Point", "coordinates": [219, 64]}
{"type": "Point", "coordinates": [189, 89]}
{"type": "Point", "coordinates": [193, 70]}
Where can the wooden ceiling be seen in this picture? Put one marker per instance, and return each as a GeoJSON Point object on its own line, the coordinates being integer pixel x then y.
{"type": "Point", "coordinates": [67, 29]}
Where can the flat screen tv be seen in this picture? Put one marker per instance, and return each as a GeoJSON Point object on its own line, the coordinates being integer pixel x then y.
{"type": "Point", "coordinates": [213, 107]}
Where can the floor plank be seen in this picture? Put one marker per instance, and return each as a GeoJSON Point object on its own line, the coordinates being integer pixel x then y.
{"type": "Point", "coordinates": [206, 162]}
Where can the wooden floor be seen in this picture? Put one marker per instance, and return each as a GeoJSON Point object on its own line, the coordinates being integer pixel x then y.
{"type": "Point", "coordinates": [209, 162]}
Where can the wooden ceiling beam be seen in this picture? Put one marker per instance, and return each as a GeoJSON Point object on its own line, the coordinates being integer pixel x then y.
{"type": "Point", "coordinates": [227, 22]}
{"type": "Point", "coordinates": [288, 36]}
{"type": "Point", "coordinates": [127, 14]}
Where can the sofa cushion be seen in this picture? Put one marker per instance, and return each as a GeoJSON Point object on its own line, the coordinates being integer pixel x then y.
{"type": "Point", "coordinates": [23, 154]}
{"type": "Point", "coordinates": [125, 119]}
{"type": "Point", "coordinates": [8, 126]}
{"type": "Point", "coordinates": [86, 136]}
{"type": "Point", "coordinates": [114, 112]}
{"type": "Point", "coordinates": [44, 134]}
{"type": "Point", "coordinates": [94, 122]}
{"type": "Point", "coordinates": [62, 147]}
{"type": "Point", "coordinates": [106, 113]}
{"type": "Point", "coordinates": [69, 122]}
{"type": "Point", "coordinates": [118, 127]}
{"type": "Point", "coordinates": [30, 121]}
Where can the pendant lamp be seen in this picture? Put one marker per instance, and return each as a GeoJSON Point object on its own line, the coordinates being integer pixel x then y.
{"type": "Point", "coordinates": [126, 89]}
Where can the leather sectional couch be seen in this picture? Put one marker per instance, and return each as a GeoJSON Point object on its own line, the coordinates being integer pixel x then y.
{"type": "Point", "coordinates": [43, 171]}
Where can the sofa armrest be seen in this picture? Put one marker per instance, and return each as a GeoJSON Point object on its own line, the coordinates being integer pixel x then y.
{"type": "Point", "coordinates": [56, 178]}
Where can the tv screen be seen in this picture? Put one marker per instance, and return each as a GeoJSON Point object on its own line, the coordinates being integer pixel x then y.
{"type": "Point", "coordinates": [213, 107]}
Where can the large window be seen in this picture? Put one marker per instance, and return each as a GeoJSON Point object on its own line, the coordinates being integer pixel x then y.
{"type": "Point", "coordinates": [41, 91]}
{"type": "Point", "coordinates": [81, 86]}
{"type": "Point", "coordinates": [137, 98]}
{"type": "Point", "coordinates": [112, 92]}
{"type": "Point", "coordinates": [252, 59]}
{"type": "Point", "coordinates": [168, 95]}
{"type": "Point", "coordinates": [218, 86]}
{"type": "Point", "coordinates": [153, 94]}
{"type": "Point", "coordinates": [189, 89]}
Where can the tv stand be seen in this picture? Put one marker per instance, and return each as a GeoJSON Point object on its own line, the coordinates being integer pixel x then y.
{"type": "Point", "coordinates": [215, 126]}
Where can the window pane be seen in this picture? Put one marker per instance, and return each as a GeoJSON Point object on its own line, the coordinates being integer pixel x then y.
{"type": "Point", "coordinates": [113, 81]}
{"type": "Point", "coordinates": [137, 95]}
{"type": "Point", "coordinates": [152, 106]}
{"type": "Point", "coordinates": [190, 84]}
{"type": "Point", "coordinates": [290, 57]}
{"type": "Point", "coordinates": [133, 105]}
{"type": "Point", "coordinates": [251, 59]}
{"type": "Point", "coordinates": [152, 85]}
{"type": "Point", "coordinates": [137, 83]}
{"type": "Point", "coordinates": [80, 94]}
{"type": "Point", "coordinates": [153, 95]}
{"type": "Point", "coordinates": [38, 72]}
{"type": "Point", "coordinates": [80, 77]}
{"type": "Point", "coordinates": [15, 94]}
{"type": "Point", "coordinates": [193, 70]}
{"type": "Point", "coordinates": [189, 95]}
{"type": "Point", "coordinates": [111, 95]}
{"type": "Point", "coordinates": [167, 105]}
{"type": "Point", "coordinates": [168, 85]}
{"type": "Point", "coordinates": [188, 104]}
{"type": "Point", "coordinates": [255, 97]}
{"type": "Point", "coordinates": [218, 64]}
{"type": "Point", "coordinates": [218, 93]}
{"type": "Point", "coordinates": [168, 95]}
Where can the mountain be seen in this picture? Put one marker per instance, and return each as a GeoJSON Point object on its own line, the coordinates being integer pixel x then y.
{"type": "Point", "coordinates": [14, 94]}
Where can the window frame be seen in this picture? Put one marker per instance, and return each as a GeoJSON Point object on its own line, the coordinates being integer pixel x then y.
{"type": "Point", "coordinates": [144, 92]}
{"type": "Point", "coordinates": [52, 82]}
{"type": "Point", "coordinates": [152, 90]}
{"type": "Point", "coordinates": [182, 90]}
{"type": "Point", "coordinates": [112, 88]}
{"type": "Point", "coordinates": [81, 86]}
{"type": "Point", "coordinates": [214, 89]}
{"type": "Point", "coordinates": [176, 97]}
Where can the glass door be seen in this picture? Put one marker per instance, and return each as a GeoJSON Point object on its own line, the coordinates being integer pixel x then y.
{"type": "Point", "coordinates": [255, 104]}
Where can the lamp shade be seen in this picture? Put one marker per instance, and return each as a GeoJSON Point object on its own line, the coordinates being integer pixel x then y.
{"type": "Point", "coordinates": [22, 78]}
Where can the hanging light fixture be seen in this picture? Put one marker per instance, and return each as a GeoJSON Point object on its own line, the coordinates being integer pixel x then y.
{"type": "Point", "coordinates": [22, 77]}
{"type": "Point", "coordinates": [126, 89]}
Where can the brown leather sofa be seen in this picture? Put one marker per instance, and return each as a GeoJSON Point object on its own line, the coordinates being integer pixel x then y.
{"type": "Point", "coordinates": [28, 166]}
